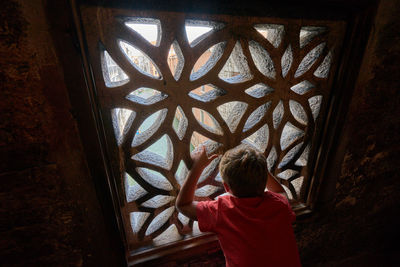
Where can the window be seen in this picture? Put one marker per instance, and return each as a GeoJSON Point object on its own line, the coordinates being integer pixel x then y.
{"type": "Point", "coordinates": [167, 82]}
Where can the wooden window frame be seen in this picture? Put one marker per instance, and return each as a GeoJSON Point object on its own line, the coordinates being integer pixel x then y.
{"type": "Point", "coordinates": [85, 109]}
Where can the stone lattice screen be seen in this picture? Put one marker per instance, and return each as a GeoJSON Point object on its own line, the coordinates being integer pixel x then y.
{"type": "Point", "coordinates": [265, 82]}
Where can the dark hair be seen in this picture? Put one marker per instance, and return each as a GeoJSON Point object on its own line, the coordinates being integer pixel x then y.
{"type": "Point", "coordinates": [245, 171]}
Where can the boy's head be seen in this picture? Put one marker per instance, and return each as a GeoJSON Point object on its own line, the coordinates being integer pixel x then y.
{"type": "Point", "coordinates": [245, 171]}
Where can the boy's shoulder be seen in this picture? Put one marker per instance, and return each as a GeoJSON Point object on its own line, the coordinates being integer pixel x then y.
{"type": "Point", "coordinates": [277, 199]}
{"type": "Point", "coordinates": [276, 196]}
{"type": "Point", "coordinates": [269, 198]}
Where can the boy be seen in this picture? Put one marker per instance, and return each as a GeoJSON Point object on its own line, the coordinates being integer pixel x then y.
{"type": "Point", "coordinates": [254, 227]}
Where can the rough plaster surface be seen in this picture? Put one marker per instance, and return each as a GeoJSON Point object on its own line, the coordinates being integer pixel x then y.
{"type": "Point", "coordinates": [49, 213]}
{"type": "Point", "coordinates": [364, 220]}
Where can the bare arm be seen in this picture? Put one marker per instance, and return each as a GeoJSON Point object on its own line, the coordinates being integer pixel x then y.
{"type": "Point", "coordinates": [274, 186]}
{"type": "Point", "coordinates": [184, 201]}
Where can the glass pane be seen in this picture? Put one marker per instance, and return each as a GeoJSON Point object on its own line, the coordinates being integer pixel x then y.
{"type": "Point", "coordinates": [180, 123]}
{"type": "Point", "coordinates": [175, 60]}
{"type": "Point", "coordinates": [159, 220]}
{"type": "Point", "coordinates": [302, 88]}
{"type": "Point", "coordinates": [309, 59]}
{"type": "Point", "coordinates": [277, 114]}
{"type": "Point", "coordinates": [206, 191]}
{"type": "Point", "coordinates": [286, 61]}
{"type": "Point", "coordinates": [132, 189]}
{"type": "Point", "coordinates": [137, 220]}
{"type": "Point", "coordinates": [289, 134]}
{"type": "Point", "coordinates": [149, 126]}
{"type": "Point", "coordinates": [236, 68]}
{"type": "Point", "coordinates": [149, 29]}
{"type": "Point", "coordinates": [160, 153]}
{"type": "Point", "coordinates": [272, 32]}
{"type": "Point", "coordinates": [140, 60]}
{"type": "Point", "coordinates": [298, 112]}
{"type": "Point", "coordinates": [315, 105]}
{"type": "Point", "coordinates": [323, 70]}
{"type": "Point", "coordinates": [112, 73]}
{"type": "Point", "coordinates": [209, 170]}
{"type": "Point", "coordinates": [198, 30]}
{"type": "Point", "coordinates": [146, 96]}
{"type": "Point", "coordinates": [198, 139]}
{"type": "Point", "coordinates": [157, 201]}
{"type": "Point", "coordinates": [122, 119]}
{"type": "Point", "coordinates": [168, 236]}
{"type": "Point", "coordinates": [232, 112]}
{"type": "Point", "coordinates": [259, 139]}
{"type": "Point", "coordinates": [207, 121]}
{"type": "Point", "coordinates": [272, 158]}
{"type": "Point", "coordinates": [290, 155]}
{"type": "Point", "coordinates": [256, 116]}
{"type": "Point", "coordinates": [155, 179]}
{"type": "Point", "coordinates": [259, 90]}
{"type": "Point", "coordinates": [206, 93]}
{"type": "Point", "coordinates": [308, 33]}
{"type": "Point", "coordinates": [262, 59]}
{"type": "Point", "coordinates": [181, 173]}
{"type": "Point", "coordinates": [207, 61]}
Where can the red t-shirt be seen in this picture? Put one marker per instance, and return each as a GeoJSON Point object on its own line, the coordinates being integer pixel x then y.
{"type": "Point", "coordinates": [252, 231]}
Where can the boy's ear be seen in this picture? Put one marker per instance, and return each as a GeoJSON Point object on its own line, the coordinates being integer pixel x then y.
{"type": "Point", "coordinates": [227, 189]}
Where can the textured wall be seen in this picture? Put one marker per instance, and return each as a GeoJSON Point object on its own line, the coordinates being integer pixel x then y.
{"type": "Point", "coordinates": [365, 213]}
{"type": "Point", "coordinates": [49, 212]}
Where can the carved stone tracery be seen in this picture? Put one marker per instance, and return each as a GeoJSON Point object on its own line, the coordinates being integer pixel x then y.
{"type": "Point", "coordinates": [260, 81]}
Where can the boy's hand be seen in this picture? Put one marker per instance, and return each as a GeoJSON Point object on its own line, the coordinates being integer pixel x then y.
{"type": "Point", "coordinates": [184, 201]}
{"type": "Point", "coordinates": [200, 159]}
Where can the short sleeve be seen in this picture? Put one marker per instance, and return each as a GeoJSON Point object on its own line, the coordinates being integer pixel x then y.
{"type": "Point", "coordinates": [291, 214]}
{"type": "Point", "coordinates": [207, 214]}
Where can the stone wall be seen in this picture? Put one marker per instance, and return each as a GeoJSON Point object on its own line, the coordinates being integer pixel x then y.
{"type": "Point", "coordinates": [363, 218]}
{"type": "Point", "coordinates": [50, 214]}
{"type": "Point", "coordinates": [49, 211]}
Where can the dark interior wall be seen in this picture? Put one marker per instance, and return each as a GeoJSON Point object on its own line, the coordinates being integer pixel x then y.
{"type": "Point", "coordinates": [362, 220]}
{"type": "Point", "coordinates": [50, 213]}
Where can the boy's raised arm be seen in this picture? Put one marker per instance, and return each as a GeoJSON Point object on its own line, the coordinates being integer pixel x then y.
{"type": "Point", "coordinates": [184, 201]}
{"type": "Point", "coordinates": [274, 186]}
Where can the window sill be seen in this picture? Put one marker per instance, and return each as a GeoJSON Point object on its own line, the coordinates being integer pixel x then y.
{"type": "Point", "coordinates": [185, 249]}
{"type": "Point", "coordinates": [193, 246]}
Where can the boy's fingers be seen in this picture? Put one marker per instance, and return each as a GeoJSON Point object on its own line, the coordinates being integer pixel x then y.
{"type": "Point", "coordinates": [198, 150]}
{"type": "Point", "coordinates": [212, 157]}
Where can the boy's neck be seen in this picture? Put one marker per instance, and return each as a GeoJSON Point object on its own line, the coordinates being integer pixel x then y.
{"type": "Point", "coordinates": [253, 196]}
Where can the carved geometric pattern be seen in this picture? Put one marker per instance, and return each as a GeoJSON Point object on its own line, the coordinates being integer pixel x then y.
{"type": "Point", "coordinates": [263, 82]}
